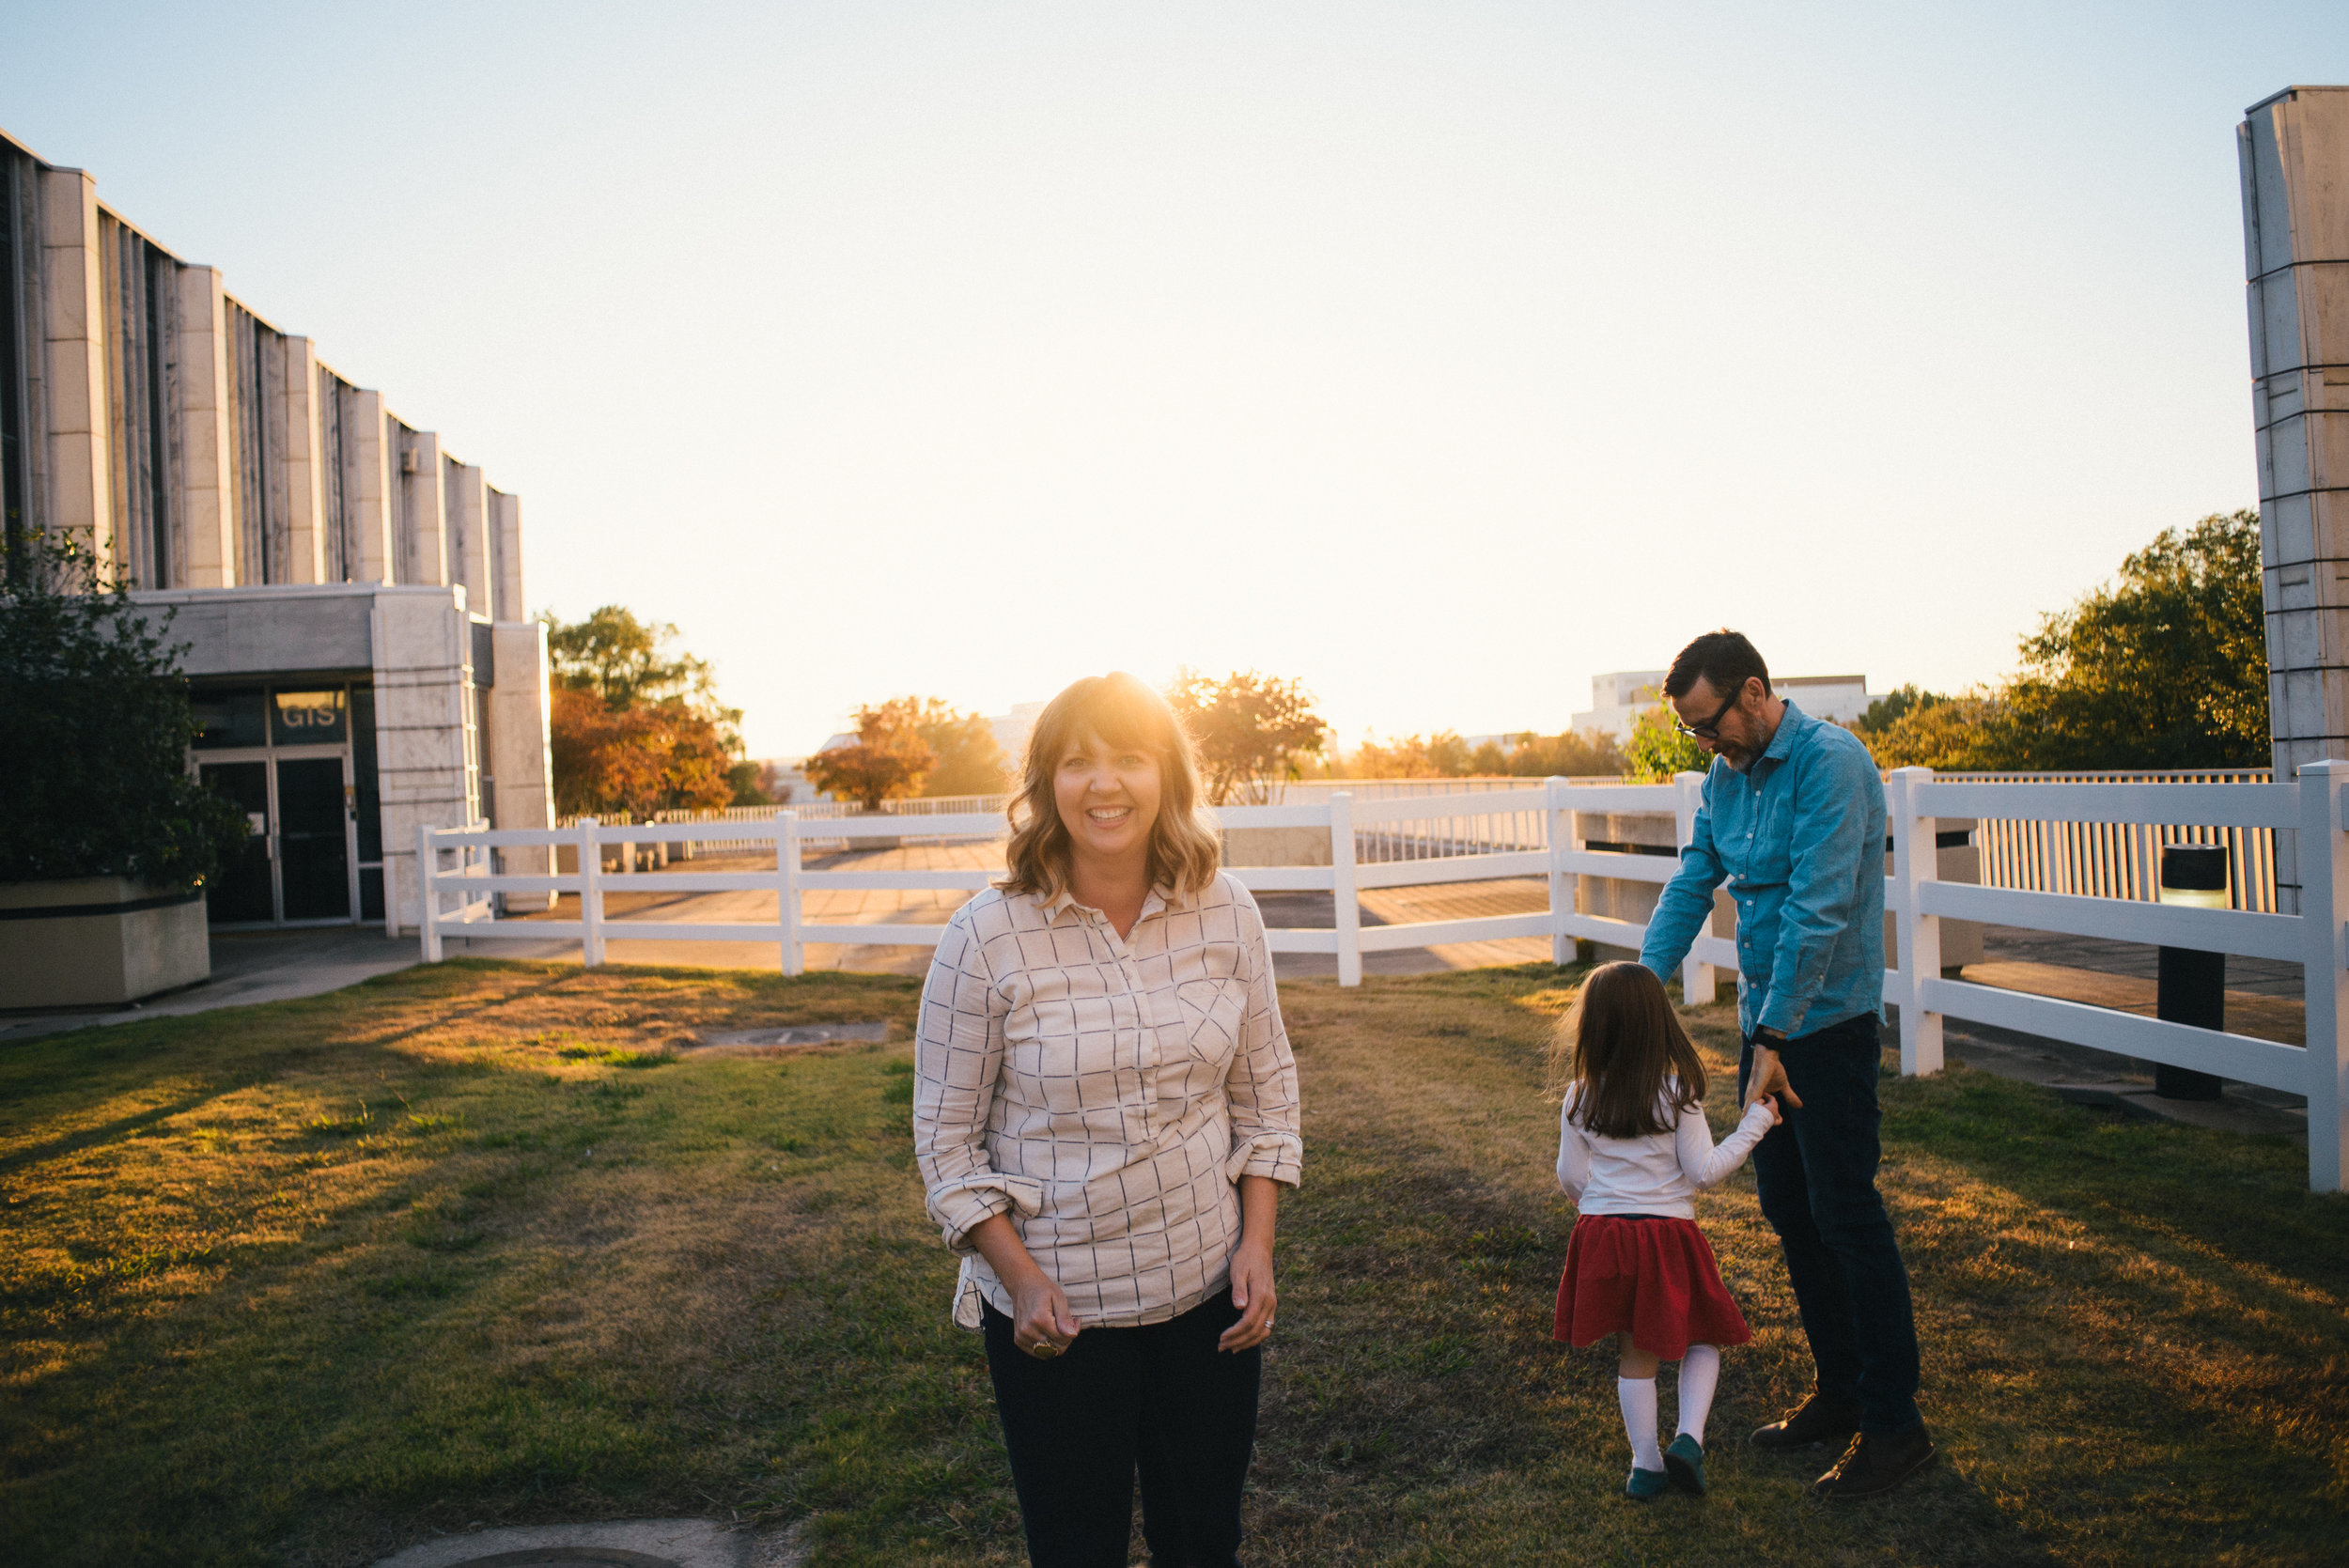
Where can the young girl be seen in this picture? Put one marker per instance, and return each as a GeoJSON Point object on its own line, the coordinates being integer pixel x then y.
{"type": "Point", "coordinates": [1633, 1150]}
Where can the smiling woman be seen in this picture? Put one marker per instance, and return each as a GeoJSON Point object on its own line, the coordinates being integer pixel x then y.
{"type": "Point", "coordinates": [1105, 1108]}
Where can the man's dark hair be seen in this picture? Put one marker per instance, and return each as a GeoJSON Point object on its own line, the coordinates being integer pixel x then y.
{"type": "Point", "coordinates": [1725, 661]}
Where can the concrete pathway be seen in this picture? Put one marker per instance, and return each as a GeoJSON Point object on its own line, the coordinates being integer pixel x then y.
{"type": "Point", "coordinates": [247, 966]}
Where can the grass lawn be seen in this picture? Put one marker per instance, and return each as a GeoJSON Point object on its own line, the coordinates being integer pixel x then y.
{"type": "Point", "coordinates": [304, 1282]}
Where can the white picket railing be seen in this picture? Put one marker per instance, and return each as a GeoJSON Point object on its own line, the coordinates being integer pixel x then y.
{"type": "Point", "coordinates": [460, 900]}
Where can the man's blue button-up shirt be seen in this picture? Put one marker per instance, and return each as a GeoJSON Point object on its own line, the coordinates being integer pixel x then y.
{"type": "Point", "coordinates": [1798, 838]}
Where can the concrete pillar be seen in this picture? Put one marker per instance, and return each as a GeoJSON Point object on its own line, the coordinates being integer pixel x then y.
{"type": "Point", "coordinates": [2294, 152]}
{"type": "Point", "coordinates": [369, 462]}
{"type": "Point", "coordinates": [73, 326]}
{"type": "Point", "coordinates": [505, 553]}
{"type": "Point", "coordinates": [519, 758]}
{"type": "Point", "coordinates": [469, 537]}
{"type": "Point", "coordinates": [301, 446]}
{"type": "Point", "coordinates": [423, 658]}
{"type": "Point", "coordinates": [423, 507]}
{"type": "Point", "coordinates": [207, 508]}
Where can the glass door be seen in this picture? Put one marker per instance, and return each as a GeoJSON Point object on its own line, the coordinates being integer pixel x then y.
{"type": "Point", "coordinates": [243, 889]}
{"type": "Point", "coordinates": [313, 850]}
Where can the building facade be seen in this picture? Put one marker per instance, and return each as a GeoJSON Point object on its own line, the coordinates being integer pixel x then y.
{"type": "Point", "coordinates": [350, 592]}
{"type": "Point", "coordinates": [1618, 699]}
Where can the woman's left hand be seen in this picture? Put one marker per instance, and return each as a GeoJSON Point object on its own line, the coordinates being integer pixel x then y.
{"type": "Point", "coordinates": [1253, 1292]}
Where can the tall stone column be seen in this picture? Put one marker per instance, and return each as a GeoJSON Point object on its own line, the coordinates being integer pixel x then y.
{"type": "Point", "coordinates": [519, 758]}
{"type": "Point", "coordinates": [368, 471]}
{"type": "Point", "coordinates": [423, 654]}
{"type": "Point", "coordinates": [506, 552]}
{"type": "Point", "coordinates": [208, 507]}
{"type": "Point", "coordinates": [301, 444]}
{"type": "Point", "coordinates": [469, 537]}
{"type": "Point", "coordinates": [423, 521]}
{"type": "Point", "coordinates": [2294, 151]}
{"type": "Point", "coordinates": [73, 326]}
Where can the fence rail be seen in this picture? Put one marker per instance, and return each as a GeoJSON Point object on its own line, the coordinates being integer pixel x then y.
{"type": "Point", "coordinates": [462, 887]}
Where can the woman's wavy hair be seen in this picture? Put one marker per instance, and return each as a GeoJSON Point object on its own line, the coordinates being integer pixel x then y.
{"type": "Point", "coordinates": [1615, 1049]}
{"type": "Point", "coordinates": [1118, 711]}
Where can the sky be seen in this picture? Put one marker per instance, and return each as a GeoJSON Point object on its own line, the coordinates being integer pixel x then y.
{"type": "Point", "coordinates": [1438, 355]}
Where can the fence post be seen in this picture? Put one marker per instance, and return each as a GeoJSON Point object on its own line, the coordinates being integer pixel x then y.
{"type": "Point", "coordinates": [1349, 909]}
{"type": "Point", "coordinates": [2322, 851]}
{"type": "Point", "coordinates": [1696, 976]}
{"type": "Point", "coordinates": [428, 870]}
{"type": "Point", "coordinates": [787, 891]}
{"type": "Point", "coordinates": [1916, 861]}
{"type": "Point", "coordinates": [590, 894]}
{"type": "Point", "coordinates": [1561, 889]}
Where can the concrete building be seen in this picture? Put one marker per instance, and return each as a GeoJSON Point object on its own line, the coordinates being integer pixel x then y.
{"type": "Point", "coordinates": [1618, 699]}
{"type": "Point", "coordinates": [2295, 150]}
{"type": "Point", "coordinates": [352, 593]}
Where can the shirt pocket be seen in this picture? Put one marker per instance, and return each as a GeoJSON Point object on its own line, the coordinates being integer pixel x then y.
{"type": "Point", "coordinates": [1213, 1010]}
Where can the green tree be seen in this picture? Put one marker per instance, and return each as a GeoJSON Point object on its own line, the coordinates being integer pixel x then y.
{"type": "Point", "coordinates": [1251, 730]}
{"type": "Point", "coordinates": [93, 769]}
{"type": "Point", "coordinates": [1893, 707]}
{"type": "Point", "coordinates": [1659, 750]}
{"type": "Point", "coordinates": [888, 760]}
{"type": "Point", "coordinates": [2166, 668]}
{"type": "Point", "coordinates": [1962, 734]}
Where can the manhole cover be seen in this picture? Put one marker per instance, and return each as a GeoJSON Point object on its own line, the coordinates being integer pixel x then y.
{"type": "Point", "coordinates": [747, 1041]}
{"type": "Point", "coordinates": [569, 1556]}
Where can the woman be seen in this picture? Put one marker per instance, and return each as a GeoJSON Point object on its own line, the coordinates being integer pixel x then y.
{"type": "Point", "coordinates": [1104, 1113]}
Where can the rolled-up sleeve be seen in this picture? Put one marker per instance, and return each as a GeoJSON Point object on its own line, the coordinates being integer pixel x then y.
{"type": "Point", "coordinates": [1261, 1086]}
{"type": "Point", "coordinates": [958, 1054]}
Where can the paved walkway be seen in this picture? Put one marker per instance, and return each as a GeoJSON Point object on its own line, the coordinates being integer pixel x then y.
{"type": "Point", "coordinates": [247, 966]}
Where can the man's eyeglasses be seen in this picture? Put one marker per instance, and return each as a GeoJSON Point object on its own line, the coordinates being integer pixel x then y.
{"type": "Point", "coordinates": [1711, 728]}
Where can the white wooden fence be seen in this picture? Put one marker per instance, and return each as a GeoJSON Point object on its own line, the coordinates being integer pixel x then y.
{"type": "Point", "coordinates": [460, 899]}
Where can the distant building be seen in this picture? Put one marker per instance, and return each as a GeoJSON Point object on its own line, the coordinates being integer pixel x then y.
{"type": "Point", "coordinates": [361, 658]}
{"type": "Point", "coordinates": [1617, 700]}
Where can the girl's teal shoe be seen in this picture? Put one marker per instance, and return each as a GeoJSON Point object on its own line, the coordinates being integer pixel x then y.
{"type": "Point", "coordinates": [1645, 1484]}
{"type": "Point", "coordinates": [1684, 1463]}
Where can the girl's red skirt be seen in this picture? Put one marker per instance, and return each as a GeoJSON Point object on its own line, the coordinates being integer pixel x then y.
{"type": "Point", "coordinates": [1653, 1278]}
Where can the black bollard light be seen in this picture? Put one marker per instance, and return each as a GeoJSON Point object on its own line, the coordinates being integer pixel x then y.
{"type": "Point", "coordinates": [2193, 986]}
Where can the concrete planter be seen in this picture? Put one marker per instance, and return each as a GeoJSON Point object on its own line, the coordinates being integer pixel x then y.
{"type": "Point", "coordinates": [96, 940]}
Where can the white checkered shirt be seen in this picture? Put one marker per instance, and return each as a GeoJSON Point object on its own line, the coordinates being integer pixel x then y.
{"type": "Point", "coordinates": [1107, 1095]}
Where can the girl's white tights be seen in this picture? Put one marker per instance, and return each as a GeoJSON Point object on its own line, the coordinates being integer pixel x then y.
{"type": "Point", "coordinates": [1700, 1375]}
{"type": "Point", "coordinates": [1638, 1397]}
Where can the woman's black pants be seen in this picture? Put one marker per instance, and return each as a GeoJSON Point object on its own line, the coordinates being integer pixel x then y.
{"type": "Point", "coordinates": [1161, 1400]}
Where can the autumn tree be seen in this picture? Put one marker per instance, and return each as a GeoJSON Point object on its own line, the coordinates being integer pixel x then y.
{"type": "Point", "coordinates": [1441, 756]}
{"type": "Point", "coordinates": [1251, 730]}
{"type": "Point", "coordinates": [636, 727]}
{"type": "Point", "coordinates": [888, 760]}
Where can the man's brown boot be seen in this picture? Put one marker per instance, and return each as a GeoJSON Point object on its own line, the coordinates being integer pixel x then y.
{"type": "Point", "coordinates": [1876, 1463]}
{"type": "Point", "coordinates": [1815, 1420]}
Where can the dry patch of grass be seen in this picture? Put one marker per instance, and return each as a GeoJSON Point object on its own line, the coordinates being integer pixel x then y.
{"type": "Point", "coordinates": [299, 1283]}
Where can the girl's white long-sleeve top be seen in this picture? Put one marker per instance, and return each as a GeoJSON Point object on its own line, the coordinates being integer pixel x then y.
{"type": "Point", "coordinates": [1660, 1174]}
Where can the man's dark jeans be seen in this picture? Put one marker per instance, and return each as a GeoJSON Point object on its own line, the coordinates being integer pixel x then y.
{"type": "Point", "coordinates": [1816, 1173]}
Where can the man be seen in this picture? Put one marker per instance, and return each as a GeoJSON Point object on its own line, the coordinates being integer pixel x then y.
{"type": "Point", "coordinates": [1793, 821]}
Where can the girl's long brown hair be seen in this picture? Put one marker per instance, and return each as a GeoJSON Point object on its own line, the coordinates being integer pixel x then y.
{"type": "Point", "coordinates": [1121, 711]}
{"type": "Point", "coordinates": [1619, 1044]}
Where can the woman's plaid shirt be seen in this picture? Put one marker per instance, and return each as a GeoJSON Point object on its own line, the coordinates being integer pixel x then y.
{"type": "Point", "coordinates": [1107, 1095]}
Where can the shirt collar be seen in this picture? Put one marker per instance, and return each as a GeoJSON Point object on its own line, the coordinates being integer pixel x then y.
{"type": "Point", "coordinates": [1159, 899]}
{"type": "Point", "coordinates": [1782, 744]}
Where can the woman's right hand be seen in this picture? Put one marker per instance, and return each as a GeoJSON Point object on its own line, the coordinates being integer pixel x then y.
{"type": "Point", "coordinates": [1041, 1319]}
{"type": "Point", "coordinates": [1040, 1316]}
